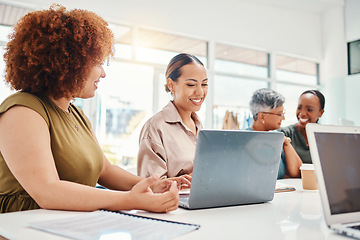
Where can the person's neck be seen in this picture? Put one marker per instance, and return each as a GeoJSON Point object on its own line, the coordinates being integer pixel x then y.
{"type": "Point", "coordinates": [186, 118]}
{"type": "Point", "coordinates": [257, 126]}
{"type": "Point", "coordinates": [184, 114]}
{"type": "Point", "coordinates": [301, 130]}
{"type": "Point", "coordinates": [62, 103]}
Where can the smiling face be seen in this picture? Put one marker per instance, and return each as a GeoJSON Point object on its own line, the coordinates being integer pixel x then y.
{"type": "Point", "coordinates": [190, 89]}
{"type": "Point", "coordinates": [92, 81]}
{"type": "Point", "coordinates": [309, 109]}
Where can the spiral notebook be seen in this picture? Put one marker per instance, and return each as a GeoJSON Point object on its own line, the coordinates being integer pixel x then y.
{"type": "Point", "coordinates": [114, 225]}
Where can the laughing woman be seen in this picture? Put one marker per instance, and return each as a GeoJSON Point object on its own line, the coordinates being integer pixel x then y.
{"type": "Point", "coordinates": [310, 108]}
{"type": "Point", "coordinates": [168, 139]}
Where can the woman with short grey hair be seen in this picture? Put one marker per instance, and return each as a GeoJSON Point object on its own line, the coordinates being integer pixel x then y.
{"type": "Point", "coordinates": [267, 108]}
{"type": "Point", "coordinates": [265, 100]}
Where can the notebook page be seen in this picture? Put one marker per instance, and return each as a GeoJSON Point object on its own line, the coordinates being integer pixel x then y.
{"type": "Point", "coordinates": [98, 224]}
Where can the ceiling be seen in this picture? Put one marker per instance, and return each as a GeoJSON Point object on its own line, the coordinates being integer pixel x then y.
{"type": "Point", "coordinates": [315, 6]}
{"type": "Point", "coordinates": [12, 10]}
{"type": "Point", "coordinates": [107, 6]}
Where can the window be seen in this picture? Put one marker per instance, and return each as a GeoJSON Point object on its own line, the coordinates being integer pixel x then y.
{"type": "Point", "coordinates": [123, 37]}
{"type": "Point", "coordinates": [122, 109]}
{"type": "Point", "coordinates": [353, 49]}
{"type": "Point", "coordinates": [4, 33]}
{"type": "Point", "coordinates": [4, 89]}
{"type": "Point", "coordinates": [158, 47]}
{"type": "Point", "coordinates": [295, 70]}
{"type": "Point", "coordinates": [9, 16]}
{"type": "Point", "coordinates": [294, 76]}
{"type": "Point", "coordinates": [240, 61]}
{"type": "Point", "coordinates": [234, 94]}
{"type": "Point", "coordinates": [239, 72]}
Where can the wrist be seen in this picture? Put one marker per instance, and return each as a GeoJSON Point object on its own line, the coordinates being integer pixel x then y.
{"type": "Point", "coordinates": [128, 201]}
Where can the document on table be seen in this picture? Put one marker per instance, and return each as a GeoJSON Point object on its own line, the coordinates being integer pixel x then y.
{"type": "Point", "coordinates": [114, 225]}
{"type": "Point", "coordinates": [282, 187]}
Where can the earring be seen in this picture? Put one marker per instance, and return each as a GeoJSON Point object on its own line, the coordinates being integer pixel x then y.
{"type": "Point", "coordinates": [263, 121]}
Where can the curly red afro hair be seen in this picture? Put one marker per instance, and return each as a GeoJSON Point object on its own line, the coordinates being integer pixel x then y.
{"type": "Point", "coordinates": [51, 51]}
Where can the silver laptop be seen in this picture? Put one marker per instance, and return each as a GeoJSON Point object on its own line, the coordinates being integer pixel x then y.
{"type": "Point", "coordinates": [335, 152]}
{"type": "Point", "coordinates": [233, 168]}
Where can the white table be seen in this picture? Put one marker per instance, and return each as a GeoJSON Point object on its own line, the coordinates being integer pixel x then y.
{"type": "Point", "coordinates": [291, 215]}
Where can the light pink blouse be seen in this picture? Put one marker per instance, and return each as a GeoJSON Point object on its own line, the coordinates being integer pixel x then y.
{"type": "Point", "coordinates": [167, 145]}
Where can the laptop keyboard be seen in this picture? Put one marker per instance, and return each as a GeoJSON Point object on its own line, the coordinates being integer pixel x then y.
{"type": "Point", "coordinates": [184, 199]}
{"type": "Point", "coordinates": [357, 227]}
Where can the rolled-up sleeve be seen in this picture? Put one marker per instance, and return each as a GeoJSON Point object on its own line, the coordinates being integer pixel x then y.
{"type": "Point", "coordinates": [151, 159]}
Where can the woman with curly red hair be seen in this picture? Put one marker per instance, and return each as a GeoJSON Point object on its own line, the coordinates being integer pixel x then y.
{"type": "Point", "coordinates": [49, 155]}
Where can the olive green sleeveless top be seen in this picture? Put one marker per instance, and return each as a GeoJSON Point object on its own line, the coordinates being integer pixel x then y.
{"type": "Point", "coordinates": [78, 157]}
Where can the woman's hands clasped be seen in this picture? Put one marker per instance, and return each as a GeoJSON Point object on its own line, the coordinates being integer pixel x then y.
{"type": "Point", "coordinates": [183, 182]}
{"type": "Point", "coordinates": [145, 198]}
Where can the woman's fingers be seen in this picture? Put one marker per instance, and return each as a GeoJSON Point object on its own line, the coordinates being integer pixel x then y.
{"type": "Point", "coordinates": [188, 177]}
{"type": "Point", "coordinates": [183, 181]}
{"type": "Point", "coordinates": [170, 200]}
{"type": "Point", "coordinates": [171, 208]}
{"type": "Point", "coordinates": [186, 181]}
{"type": "Point", "coordinates": [144, 185]}
{"type": "Point", "coordinates": [161, 186]}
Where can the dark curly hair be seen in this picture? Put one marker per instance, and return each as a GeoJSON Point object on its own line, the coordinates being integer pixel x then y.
{"type": "Point", "coordinates": [52, 51]}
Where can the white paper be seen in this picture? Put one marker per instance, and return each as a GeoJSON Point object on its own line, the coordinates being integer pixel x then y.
{"type": "Point", "coordinates": [111, 225]}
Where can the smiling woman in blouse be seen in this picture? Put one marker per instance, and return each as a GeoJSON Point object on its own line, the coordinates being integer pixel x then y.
{"type": "Point", "coordinates": [168, 139]}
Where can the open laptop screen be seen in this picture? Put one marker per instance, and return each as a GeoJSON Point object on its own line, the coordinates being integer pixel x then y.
{"type": "Point", "coordinates": [340, 162]}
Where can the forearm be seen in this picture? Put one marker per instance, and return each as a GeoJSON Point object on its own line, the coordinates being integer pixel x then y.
{"type": "Point", "coordinates": [293, 161]}
{"type": "Point", "coordinates": [64, 195]}
{"type": "Point", "coordinates": [116, 178]}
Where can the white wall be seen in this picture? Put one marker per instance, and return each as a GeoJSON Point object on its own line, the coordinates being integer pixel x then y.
{"type": "Point", "coordinates": [352, 98]}
{"type": "Point", "coordinates": [352, 83]}
{"type": "Point", "coordinates": [352, 20]}
{"type": "Point", "coordinates": [340, 25]}
{"type": "Point", "coordinates": [244, 23]}
{"type": "Point", "coordinates": [334, 65]}
{"type": "Point", "coordinates": [237, 22]}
